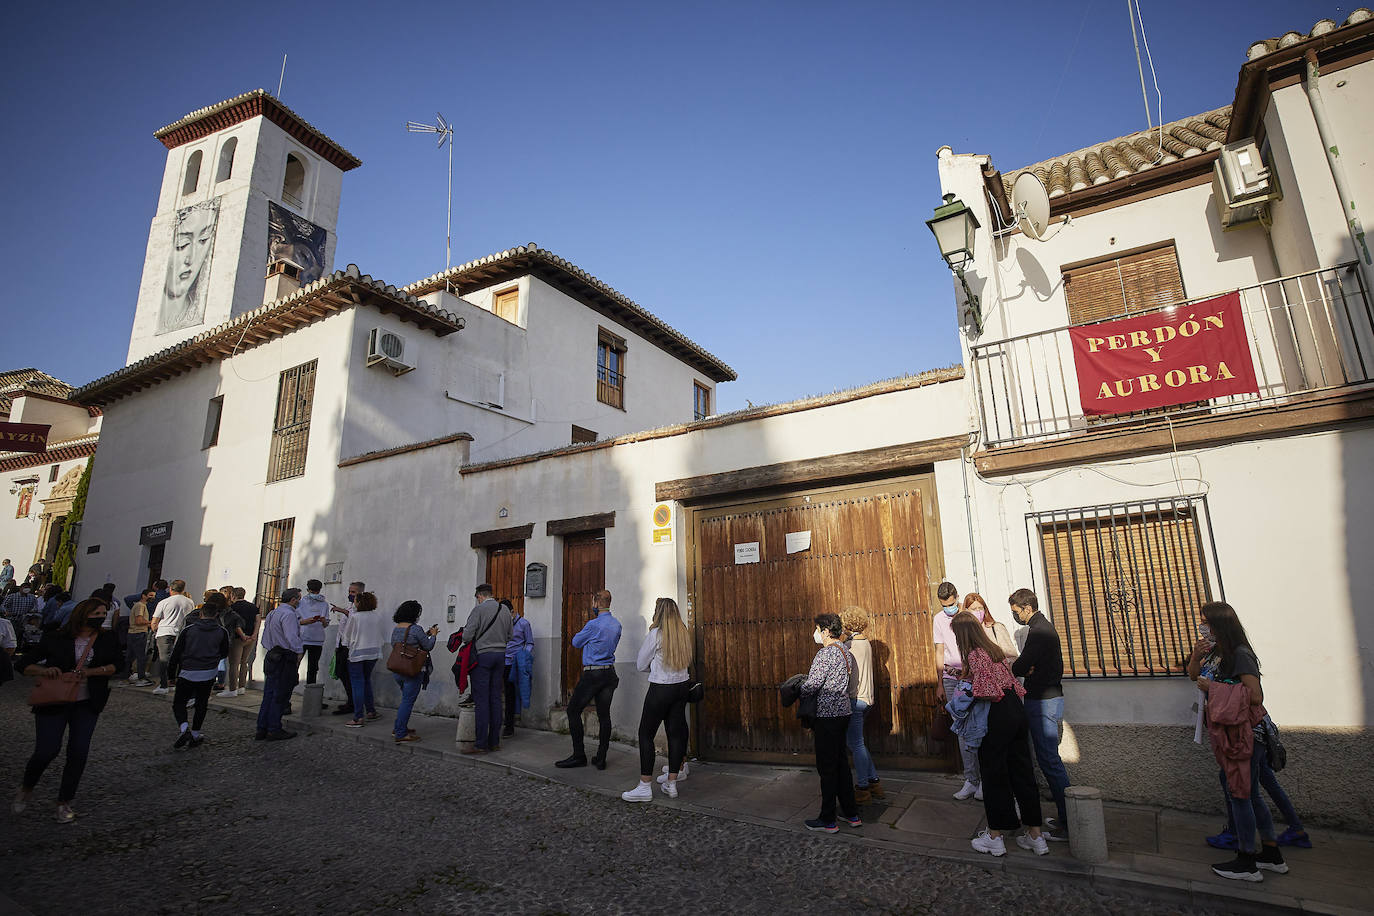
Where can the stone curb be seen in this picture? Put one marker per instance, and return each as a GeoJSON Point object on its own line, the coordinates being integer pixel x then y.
{"type": "Point", "coordinates": [1109, 878]}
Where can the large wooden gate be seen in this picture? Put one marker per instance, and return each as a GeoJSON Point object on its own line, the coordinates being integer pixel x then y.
{"type": "Point", "coordinates": [584, 574]}
{"type": "Point", "coordinates": [506, 572]}
{"type": "Point", "coordinates": [876, 546]}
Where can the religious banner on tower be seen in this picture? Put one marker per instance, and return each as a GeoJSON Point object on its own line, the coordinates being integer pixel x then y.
{"type": "Point", "coordinates": [24, 437]}
{"type": "Point", "coordinates": [294, 238]}
{"type": "Point", "coordinates": [1177, 356]}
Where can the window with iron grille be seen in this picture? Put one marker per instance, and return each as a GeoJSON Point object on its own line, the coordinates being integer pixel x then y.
{"type": "Point", "coordinates": [274, 561]}
{"type": "Point", "coordinates": [701, 401]}
{"type": "Point", "coordinates": [291, 428]}
{"type": "Point", "coordinates": [1124, 583]}
{"type": "Point", "coordinates": [610, 369]}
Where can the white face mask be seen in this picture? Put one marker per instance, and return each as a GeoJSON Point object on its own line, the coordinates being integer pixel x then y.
{"type": "Point", "coordinates": [820, 640]}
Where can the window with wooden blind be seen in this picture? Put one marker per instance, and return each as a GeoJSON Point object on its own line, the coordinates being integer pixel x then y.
{"type": "Point", "coordinates": [610, 368]}
{"type": "Point", "coordinates": [291, 427]}
{"type": "Point", "coordinates": [1125, 584]}
{"type": "Point", "coordinates": [274, 562]}
{"type": "Point", "coordinates": [581, 434]}
{"type": "Point", "coordinates": [1124, 284]}
{"type": "Point", "coordinates": [506, 304]}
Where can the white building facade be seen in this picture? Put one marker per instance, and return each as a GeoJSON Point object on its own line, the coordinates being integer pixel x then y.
{"type": "Point", "coordinates": [536, 429]}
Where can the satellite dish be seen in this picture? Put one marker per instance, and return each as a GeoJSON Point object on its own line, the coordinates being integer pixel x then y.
{"type": "Point", "coordinates": [1031, 205]}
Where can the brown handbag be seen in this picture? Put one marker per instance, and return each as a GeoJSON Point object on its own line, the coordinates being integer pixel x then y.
{"type": "Point", "coordinates": [65, 688]}
{"type": "Point", "coordinates": [405, 659]}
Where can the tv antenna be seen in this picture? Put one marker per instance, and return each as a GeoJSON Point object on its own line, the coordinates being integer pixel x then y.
{"type": "Point", "coordinates": [445, 132]}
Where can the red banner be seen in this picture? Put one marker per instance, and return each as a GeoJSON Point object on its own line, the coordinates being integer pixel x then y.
{"type": "Point", "coordinates": [1177, 356]}
{"type": "Point", "coordinates": [24, 437]}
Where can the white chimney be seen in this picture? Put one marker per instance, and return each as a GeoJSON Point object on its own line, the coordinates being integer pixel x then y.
{"type": "Point", "coordinates": [283, 279]}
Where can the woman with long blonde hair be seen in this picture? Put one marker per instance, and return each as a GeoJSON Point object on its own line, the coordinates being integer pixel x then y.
{"type": "Point", "coordinates": [665, 655]}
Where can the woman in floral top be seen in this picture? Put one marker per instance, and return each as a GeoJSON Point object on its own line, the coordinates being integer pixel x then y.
{"type": "Point", "coordinates": [831, 681]}
{"type": "Point", "coordinates": [1004, 756]}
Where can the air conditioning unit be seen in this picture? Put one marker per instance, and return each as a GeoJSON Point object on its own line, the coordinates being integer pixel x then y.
{"type": "Point", "coordinates": [389, 349]}
{"type": "Point", "coordinates": [1241, 183]}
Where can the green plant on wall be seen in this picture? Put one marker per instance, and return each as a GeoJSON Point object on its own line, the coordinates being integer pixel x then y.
{"type": "Point", "coordinates": [66, 548]}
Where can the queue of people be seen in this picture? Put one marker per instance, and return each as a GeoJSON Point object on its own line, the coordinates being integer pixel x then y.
{"type": "Point", "coordinates": [1006, 702]}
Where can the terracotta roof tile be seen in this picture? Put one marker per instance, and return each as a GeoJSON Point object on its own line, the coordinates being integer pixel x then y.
{"type": "Point", "coordinates": [1288, 39]}
{"type": "Point", "coordinates": [203, 121]}
{"type": "Point", "coordinates": [16, 381]}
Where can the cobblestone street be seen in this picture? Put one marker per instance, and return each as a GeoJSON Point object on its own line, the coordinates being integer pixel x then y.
{"type": "Point", "coordinates": [324, 825]}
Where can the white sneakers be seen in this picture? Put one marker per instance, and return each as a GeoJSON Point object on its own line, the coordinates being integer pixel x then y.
{"type": "Point", "coordinates": [1038, 845]}
{"type": "Point", "coordinates": [226, 694]}
{"type": "Point", "coordinates": [968, 791]}
{"type": "Point", "coordinates": [642, 792]}
{"type": "Point", "coordinates": [21, 800]}
{"type": "Point", "coordinates": [160, 690]}
{"type": "Point", "coordinates": [133, 679]}
{"type": "Point", "coordinates": [669, 787]}
{"type": "Point", "coordinates": [978, 794]}
{"type": "Point", "coordinates": [992, 845]}
{"type": "Point", "coordinates": [65, 814]}
{"type": "Point", "coordinates": [663, 777]}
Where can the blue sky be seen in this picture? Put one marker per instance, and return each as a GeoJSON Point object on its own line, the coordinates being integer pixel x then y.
{"type": "Point", "coordinates": [756, 174]}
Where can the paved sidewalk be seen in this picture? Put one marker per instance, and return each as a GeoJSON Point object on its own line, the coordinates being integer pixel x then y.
{"type": "Point", "coordinates": [1156, 853]}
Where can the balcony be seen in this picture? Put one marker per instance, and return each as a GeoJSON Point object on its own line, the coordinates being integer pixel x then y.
{"type": "Point", "coordinates": [1310, 335]}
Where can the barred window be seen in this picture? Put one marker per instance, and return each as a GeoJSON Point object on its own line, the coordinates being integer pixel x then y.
{"type": "Point", "coordinates": [1124, 583]}
{"type": "Point", "coordinates": [610, 368]}
{"type": "Point", "coordinates": [274, 561]}
{"type": "Point", "coordinates": [291, 428]}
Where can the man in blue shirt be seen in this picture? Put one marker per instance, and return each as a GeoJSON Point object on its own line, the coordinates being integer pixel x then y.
{"type": "Point", "coordinates": [281, 639]}
{"type": "Point", "coordinates": [597, 640]}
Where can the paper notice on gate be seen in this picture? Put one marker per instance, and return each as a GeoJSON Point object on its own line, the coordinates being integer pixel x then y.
{"type": "Point", "coordinates": [797, 541]}
{"type": "Point", "coordinates": [747, 553]}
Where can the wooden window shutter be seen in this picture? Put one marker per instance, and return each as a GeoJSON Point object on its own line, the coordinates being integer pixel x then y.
{"type": "Point", "coordinates": [1123, 285]}
{"type": "Point", "coordinates": [506, 304]}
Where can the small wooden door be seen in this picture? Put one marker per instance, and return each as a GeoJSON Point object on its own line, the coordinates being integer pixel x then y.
{"type": "Point", "coordinates": [506, 572]}
{"type": "Point", "coordinates": [756, 596]}
{"type": "Point", "coordinates": [584, 574]}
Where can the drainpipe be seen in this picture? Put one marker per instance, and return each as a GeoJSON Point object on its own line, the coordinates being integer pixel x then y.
{"type": "Point", "coordinates": [1311, 75]}
{"type": "Point", "coordinates": [965, 456]}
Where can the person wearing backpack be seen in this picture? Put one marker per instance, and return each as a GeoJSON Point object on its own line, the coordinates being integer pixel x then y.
{"type": "Point", "coordinates": [408, 632]}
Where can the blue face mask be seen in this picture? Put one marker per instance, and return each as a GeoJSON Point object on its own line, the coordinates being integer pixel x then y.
{"type": "Point", "coordinates": [951, 610]}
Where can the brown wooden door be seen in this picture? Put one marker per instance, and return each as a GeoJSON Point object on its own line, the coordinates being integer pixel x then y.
{"type": "Point", "coordinates": [584, 574]}
{"type": "Point", "coordinates": [754, 621]}
{"type": "Point", "coordinates": [506, 572]}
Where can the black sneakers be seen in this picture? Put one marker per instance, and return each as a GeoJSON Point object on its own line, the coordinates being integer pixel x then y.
{"type": "Point", "coordinates": [183, 741]}
{"type": "Point", "coordinates": [568, 763]}
{"type": "Point", "coordinates": [1241, 868]}
{"type": "Point", "coordinates": [1270, 859]}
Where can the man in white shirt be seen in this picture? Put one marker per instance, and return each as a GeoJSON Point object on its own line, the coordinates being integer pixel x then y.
{"type": "Point", "coordinates": [169, 618]}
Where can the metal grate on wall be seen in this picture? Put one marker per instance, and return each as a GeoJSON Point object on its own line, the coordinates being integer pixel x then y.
{"type": "Point", "coordinates": [1125, 583]}
{"type": "Point", "coordinates": [291, 426]}
{"type": "Point", "coordinates": [274, 562]}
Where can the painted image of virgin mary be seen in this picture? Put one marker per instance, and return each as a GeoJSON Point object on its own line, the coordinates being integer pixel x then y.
{"type": "Point", "coordinates": [188, 267]}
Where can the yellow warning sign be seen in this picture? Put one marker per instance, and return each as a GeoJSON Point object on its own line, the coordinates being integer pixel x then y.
{"type": "Point", "coordinates": [663, 535]}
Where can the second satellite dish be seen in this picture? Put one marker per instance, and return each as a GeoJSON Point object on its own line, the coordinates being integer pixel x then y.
{"type": "Point", "coordinates": [1031, 205]}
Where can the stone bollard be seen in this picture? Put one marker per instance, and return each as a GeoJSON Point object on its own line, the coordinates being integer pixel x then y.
{"type": "Point", "coordinates": [466, 735]}
{"type": "Point", "coordinates": [1087, 827]}
{"type": "Point", "coordinates": [312, 701]}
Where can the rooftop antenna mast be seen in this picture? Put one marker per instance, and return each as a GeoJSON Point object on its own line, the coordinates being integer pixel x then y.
{"type": "Point", "coordinates": [445, 132]}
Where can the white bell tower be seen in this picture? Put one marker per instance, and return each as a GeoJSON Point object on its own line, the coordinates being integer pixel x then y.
{"type": "Point", "coordinates": [247, 182]}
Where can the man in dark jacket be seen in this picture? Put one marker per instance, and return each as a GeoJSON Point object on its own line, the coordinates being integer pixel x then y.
{"type": "Point", "coordinates": [202, 644]}
{"type": "Point", "coordinates": [1041, 663]}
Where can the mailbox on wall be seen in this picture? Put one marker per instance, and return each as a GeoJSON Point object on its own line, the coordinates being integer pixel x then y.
{"type": "Point", "coordinates": [536, 580]}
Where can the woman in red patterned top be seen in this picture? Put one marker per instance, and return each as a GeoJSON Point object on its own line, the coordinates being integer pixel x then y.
{"type": "Point", "coordinates": [1004, 755]}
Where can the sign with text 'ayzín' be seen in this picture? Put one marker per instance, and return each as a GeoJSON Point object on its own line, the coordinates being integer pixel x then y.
{"type": "Point", "coordinates": [24, 437]}
{"type": "Point", "coordinates": [1192, 353]}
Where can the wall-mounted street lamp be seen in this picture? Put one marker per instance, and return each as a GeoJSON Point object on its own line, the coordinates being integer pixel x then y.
{"type": "Point", "coordinates": [954, 226]}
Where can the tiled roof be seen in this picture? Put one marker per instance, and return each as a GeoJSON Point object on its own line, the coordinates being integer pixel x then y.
{"type": "Point", "coordinates": [1288, 39]}
{"type": "Point", "coordinates": [67, 450]}
{"type": "Point", "coordinates": [204, 121]}
{"type": "Point", "coordinates": [1129, 155]}
{"type": "Point", "coordinates": [16, 381]}
{"type": "Point", "coordinates": [531, 259]}
{"type": "Point", "coordinates": [337, 292]}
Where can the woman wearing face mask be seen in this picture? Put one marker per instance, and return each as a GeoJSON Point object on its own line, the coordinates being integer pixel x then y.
{"type": "Point", "coordinates": [82, 656]}
{"type": "Point", "coordinates": [831, 680]}
{"type": "Point", "coordinates": [975, 605]}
